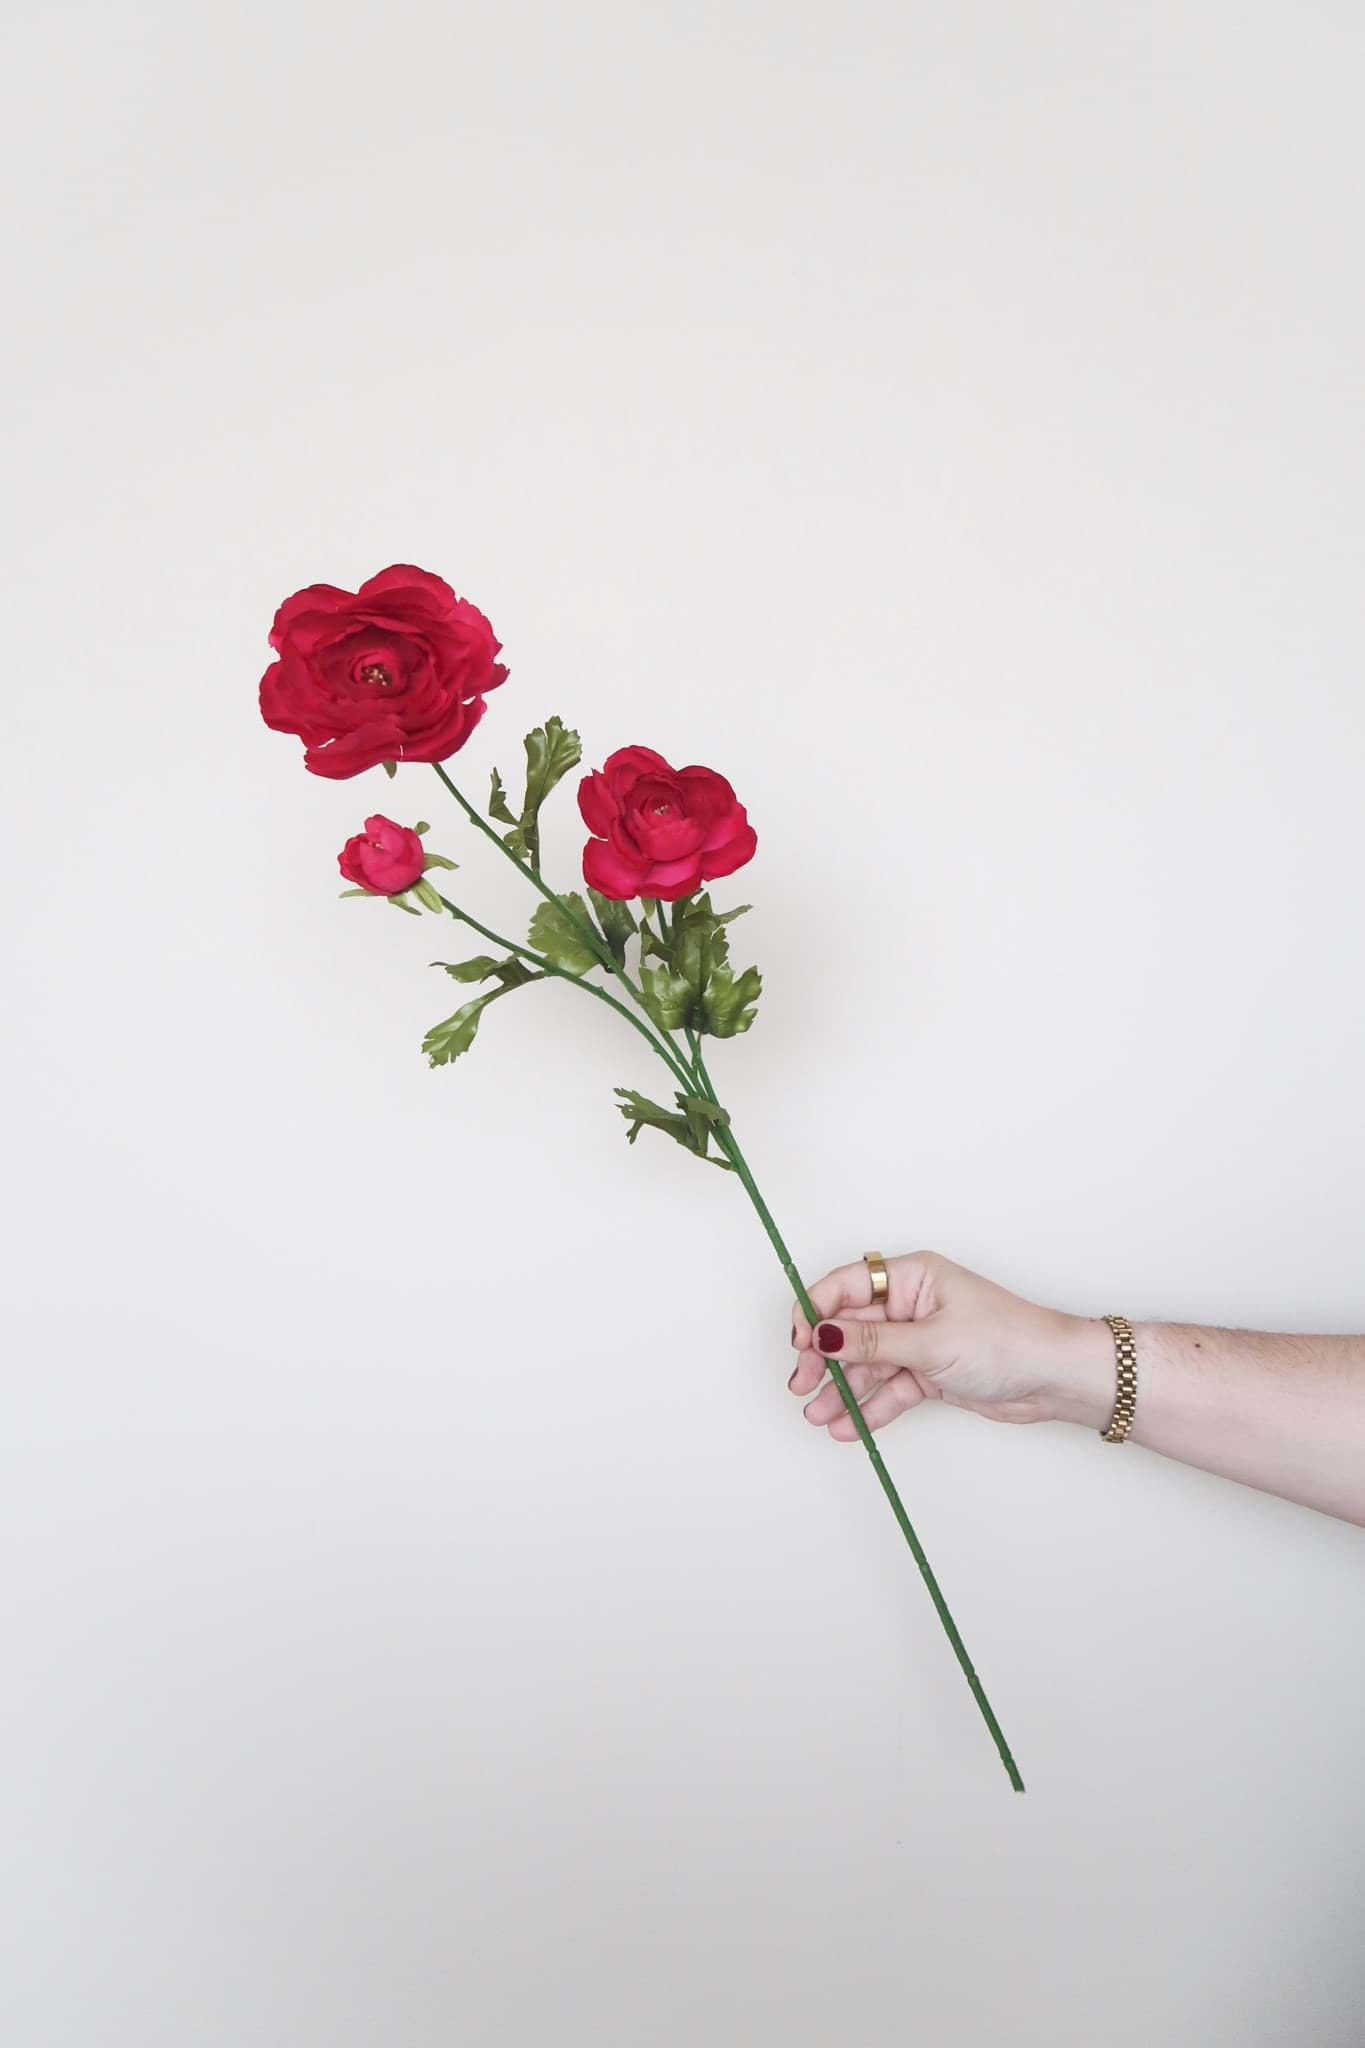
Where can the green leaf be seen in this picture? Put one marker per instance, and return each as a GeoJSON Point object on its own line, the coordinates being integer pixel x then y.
{"type": "Point", "coordinates": [355, 892]}
{"type": "Point", "coordinates": [424, 893]}
{"type": "Point", "coordinates": [511, 972]}
{"type": "Point", "coordinates": [703, 1116]}
{"type": "Point", "coordinates": [497, 802]}
{"type": "Point", "coordinates": [421, 826]}
{"type": "Point", "coordinates": [727, 1003]}
{"type": "Point", "coordinates": [557, 932]}
{"type": "Point", "coordinates": [447, 1040]}
{"type": "Point", "coordinates": [390, 768]}
{"type": "Point", "coordinates": [477, 969]}
{"type": "Point", "coordinates": [699, 947]}
{"type": "Point", "coordinates": [514, 973]}
{"type": "Point", "coordinates": [617, 921]}
{"type": "Point", "coordinates": [668, 998]}
{"type": "Point", "coordinates": [400, 903]}
{"type": "Point", "coordinates": [638, 1111]}
{"type": "Point", "coordinates": [689, 1125]}
{"type": "Point", "coordinates": [551, 751]}
{"type": "Point", "coordinates": [437, 860]}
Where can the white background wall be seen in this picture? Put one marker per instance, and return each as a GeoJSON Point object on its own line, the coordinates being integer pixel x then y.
{"type": "Point", "coordinates": [427, 1617]}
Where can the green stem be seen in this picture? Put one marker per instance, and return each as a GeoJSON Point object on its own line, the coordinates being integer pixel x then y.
{"type": "Point", "coordinates": [730, 1146]}
{"type": "Point", "coordinates": [663, 1044]}
{"type": "Point", "coordinates": [566, 974]}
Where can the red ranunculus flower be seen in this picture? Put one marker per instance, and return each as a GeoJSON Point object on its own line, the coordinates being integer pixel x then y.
{"type": "Point", "coordinates": [660, 831]}
{"type": "Point", "coordinates": [384, 858]}
{"type": "Point", "coordinates": [395, 671]}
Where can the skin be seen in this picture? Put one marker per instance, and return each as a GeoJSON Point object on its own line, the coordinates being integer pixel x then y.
{"type": "Point", "coordinates": [1280, 1412]}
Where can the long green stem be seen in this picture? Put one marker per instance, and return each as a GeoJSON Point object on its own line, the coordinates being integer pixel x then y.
{"type": "Point", "coordinates": [697, 1075]}
{"type": "Point", "coordinates": [729, 1144]}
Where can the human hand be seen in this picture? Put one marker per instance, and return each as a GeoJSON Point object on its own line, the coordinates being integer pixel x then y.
{"type": "Point", "coordinates": [947, 1334]}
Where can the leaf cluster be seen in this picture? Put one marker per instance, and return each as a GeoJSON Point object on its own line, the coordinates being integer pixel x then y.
{"type": "Point", "coordinates": [692, 1125]}
{"type": "Point", "coordinates": [693, 987]}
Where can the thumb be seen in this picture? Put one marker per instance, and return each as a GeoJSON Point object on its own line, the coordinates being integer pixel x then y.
{"type": "Point", "coordinates": [886, 1347]}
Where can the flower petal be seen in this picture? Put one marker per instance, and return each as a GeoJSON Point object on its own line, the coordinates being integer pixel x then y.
{"type": "Point", "coordinates": [723, 860]}
{"type": "Point", "coordinates": [611, 873]}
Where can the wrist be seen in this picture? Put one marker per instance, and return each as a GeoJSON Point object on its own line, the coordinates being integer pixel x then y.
{"type": "Point", "coordinates": [1082, 1378]}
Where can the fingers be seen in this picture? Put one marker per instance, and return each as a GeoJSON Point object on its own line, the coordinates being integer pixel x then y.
{"type": "Point", "coordinates": [863, 1340]}
{"type": "Point", "coordinates": [828, 1402]}
{"type": "Point", "coordinates": [889, 1400]}
{"type": "Point", "coordinates": [847, 1287]}
{"type": "Point", "coordinates": [810, 1366]}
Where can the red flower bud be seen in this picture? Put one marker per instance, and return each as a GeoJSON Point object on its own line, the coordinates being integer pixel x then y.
{"type": "Point", "coordinates": [385, 858]}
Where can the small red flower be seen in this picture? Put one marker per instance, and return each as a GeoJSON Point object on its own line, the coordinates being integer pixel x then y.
{"type": "Point", "coordinates": [385, 858]}
{"type": "Point", "coordinates": [660, 831]}
{"type": "Point", "coordinates": [395, 671]}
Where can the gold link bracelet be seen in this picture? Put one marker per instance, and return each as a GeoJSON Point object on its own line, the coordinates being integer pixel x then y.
{"type": "Point", "coordinates": [1125, 1358]}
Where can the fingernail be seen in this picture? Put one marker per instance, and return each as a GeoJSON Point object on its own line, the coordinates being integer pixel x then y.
{"type": "Point", "coordinates": [829, 1338]}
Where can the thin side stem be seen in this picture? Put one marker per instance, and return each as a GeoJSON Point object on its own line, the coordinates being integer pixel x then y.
{"type": "Point", "coordinates": [566, 974]}
{"type": "Point", "coordinates": [591, 937]}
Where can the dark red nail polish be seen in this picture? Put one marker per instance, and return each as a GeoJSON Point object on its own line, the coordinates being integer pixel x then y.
{"type": "Point", "coordinates": [830, 1338]}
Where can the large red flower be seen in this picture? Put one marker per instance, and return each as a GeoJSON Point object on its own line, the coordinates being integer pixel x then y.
{"type": "Point", "coordinates": [395, 671]}
{"type": "Point", "coordinates": [660, 831]}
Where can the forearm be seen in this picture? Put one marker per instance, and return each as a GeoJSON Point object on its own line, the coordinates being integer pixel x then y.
{"type": "Point", "coordinates": [1281, 1412]}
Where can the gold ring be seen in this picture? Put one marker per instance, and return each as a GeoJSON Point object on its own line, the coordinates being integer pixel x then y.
{"type": "Point", "coordinates": [881, 1284]}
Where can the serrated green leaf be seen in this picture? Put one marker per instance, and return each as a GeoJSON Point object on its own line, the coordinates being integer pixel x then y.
{"type": "Point", "coordinates": [477, 969]}
{"type": "Point", "coordinates": [497, 801]}
{"type": "Point", "coordinates": [437, 860]}
{"type": "Point", "coordinates": [514, 973]}
{"type": "Point", "coordinates": [710, 1112]}
{"type": "Point", "coordinates": [689, 1125]}
{"type": "Point", "coordinates": [667, 997]}
{"type": "Point", "coordinates": [390, 768]}
{"type": "Point", "coordinates": [551, 751]}
{"type": "Point", "coordinates": [702, 1116]}
{"type": "Point", "coordinates": [557, 931]}
{"type": "Point", "coordinates": [617, 921]}
{"type": "Point", "coordinates": [698, 947]}
{"type": "Point", "coordinates": [447, 1040]}
{"type": "Point", "coordinates": [727, 1003]}
{"type": "Point", "coordinates": [454, 1035]}
{"type": "Point", "coordinates": [638, 1111]}
{"type": "Point", "coordinates": [511, 972]}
